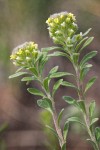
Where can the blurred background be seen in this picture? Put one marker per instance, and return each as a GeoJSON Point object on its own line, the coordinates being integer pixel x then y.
{"type": "Point", "coordinates": [21, 126]}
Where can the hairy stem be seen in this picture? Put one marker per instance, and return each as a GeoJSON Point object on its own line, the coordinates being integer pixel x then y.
{"type": "Point", "coordinates": [85, 116]}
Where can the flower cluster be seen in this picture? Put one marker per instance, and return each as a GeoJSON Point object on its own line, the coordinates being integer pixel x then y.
{"type": "Point", "coordinates": [62, 27]}
{"type": "Point", "coordinates": [24, 54]}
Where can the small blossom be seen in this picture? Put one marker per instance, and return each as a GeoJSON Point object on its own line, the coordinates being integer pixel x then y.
{"type": "Point", "coordinates": [24, 54]}
{"type": "Point", "coordinates": [61, 26]}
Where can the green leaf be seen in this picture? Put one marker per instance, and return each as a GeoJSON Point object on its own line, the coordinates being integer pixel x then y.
{"type": "Point", "coordinates": [60, 116]}
{"type": "Point", "coordinates": [53, 70]}
{"type": "Point", "coordinates": [84, 34]}
{"type": "Point", "coordinates": [88, 41]}
{"type": "Point", "coordinates": [34, 71]}
{"type": "Point", "coordinates": [52, 130]}
{"type": "Point", "coordinates": [60, 74]}
{"type": "Point", "coordinates": [76, 57]}
{"type": "Point", "coordinates": [19, 69]}
{"type": "Point", "coordinates": [46, 83]}
{"type": "Point", "coordinates": [97, 133]}
{"type": "Point", "coordinates": [94, 121]}
{"type": "Point", "coordinates": [75, 119]}
{"type": "Point", "coordinates": [28, 78]}
{"type": "Point", "coordinates": [56, 86]}
{"type": "Point", "coordinates": [87, 57]}
{"type": "Point", "coordinates": [47, 49]}
{"type": "Point", "coordinates": [82, 105]}
{"type": "Point", "coordinates": [79, 44]}
{"type": "Point", "coordinates": [65, 130]}
{"type": "Point", "coordinates": [92, 142]}
{"type": "Point", "coordinates": [35, 92]}
{"type": "Point", "coordinates": [91, 109]}
{"type": "Point", "coordinates": [84, 71]}
{"type": "Point", "coordinates": [90, 83]}
{"type": "Point", "coordinates": [46, 104]}
{"type": "Point", "coordinates": [69, 99]}
{"type": "Point", "coordinates": [17, 74]}
{"type": "Point", "coordinates": [63, 147]}
{"type": "Point", "coordinates": [68, 84]}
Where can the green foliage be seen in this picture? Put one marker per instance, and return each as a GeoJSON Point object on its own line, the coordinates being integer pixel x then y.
{"type": "Point", "coordinates": [62, 29]}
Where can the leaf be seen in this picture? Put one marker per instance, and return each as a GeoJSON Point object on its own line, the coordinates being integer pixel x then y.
{"type": "Point", "coordinates": [53, 131]}
{"type": "Point", "coordinates": [69, 99]}
{"type": "Point", "coordinates": [60, 74]}
{"type": "Point", "coordinates": [60, 116]}
{"type": "Point", "coordinates": [92, 142]}
{"type": "Point", "coordinates": [34, 71]}
{"type": "Point", "coordinates": [65, 130]}
{"type": "Point", "coordinates": [35, 92]}
{"type": "Point", "coordinates": [28, 78]}
{"type": "Point", "coordinates": [47, 49]}
{"type": "Point", "coordinates": [63, 147]}
{"type": "Point", "coordinates": [88, 41]}
{"type": "Point", "coordinates": [84, 71]}
{"type": "Point", "coordinates": [68, 84]}
{"type": "Point", "coordinates": [97, 133]}
{"type": "Point", "coordinates": [76, 57]}
{"type": "Point", "coordinates": [53, 70]}
{"type": "Point", "coordinates": [46, 83]}
{"type": "Point", "coordinates": [84, 34]}
{"type": "Point", "coordinates": [82, 106]}
{"type": "Point", "coordinates": [56, 86]}
{"type": "Point", "coordinates": [17, 74]}
{"type": "Point", "coordinates": [91, 109]}
{"type": "Point", "coordinates": [90, 83]}
{"type": "Point", "coordinates": [46, 104]}
{"type": "Point", "coordinates": [75, 119]}
{"type": "Point", "coordinates": [94, 121]}
{"type": "Point", "coordinates": [87, 57]}
{"type": "Point", "coordinates": [80, 43]}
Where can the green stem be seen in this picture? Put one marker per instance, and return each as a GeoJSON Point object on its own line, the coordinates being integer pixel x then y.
{"type": "Point", "coordinates": [54, 115]}
{"type": "Point", "coordinates": [85, 116]}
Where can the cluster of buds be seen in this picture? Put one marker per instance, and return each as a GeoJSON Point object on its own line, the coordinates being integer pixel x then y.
{"type": "Point", "coordinates": [25, 54]}
{"type": "Point", "coordinates": [62, 27]}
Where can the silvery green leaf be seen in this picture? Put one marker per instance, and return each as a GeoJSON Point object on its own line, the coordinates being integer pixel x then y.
{"type": "Point", "coordinates": [82, 105]}
{"type": "Point", "coordinates": [68, 84]}
{"type": "Point", "coordinates": [90, 83]}
{"type": "Point", "coordinates": [56, 86]}
{"type": "Point", "coordinates": [60, 74]}
{"type": "Point", "coordinates": [53, 70]}
{"type": "Point", "coordinates": [91, 109]}
{"type": "Point", "coordinates": [35, 91]}
{"type": "Point", "coordinates": [79, 44]}
{"type": "Point", "coordinates": [17, 74]}
{"type": "Point", "coordinates": [60, 116]}
{"type": "Point", "coordinates": [28, 78]}
{"type": "Point", "coordinates": [46, 83]}
{"type": "Point", "coordinates": [97, 133]}
{"type": "Point", "coordinates": [94, 120]}
{"type": "Point", "coordinates": [84, 34]}
{"type": "Point", "coordinates": [69, 99]}
{"type": "Point", "coordinates": [47, 49]}
{"type": "Point", "coordinates": [65, 130]}
{"type": "Point", "coordinates": [63, 147]}
{"type": "Point", "coordinates": [75, 119]}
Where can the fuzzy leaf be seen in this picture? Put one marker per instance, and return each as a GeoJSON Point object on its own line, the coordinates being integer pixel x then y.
{"type": "Point", "coordinates": [46, 104]}
{"type": "Point", "coordinates": [75, 119]}
{"type": "Point", "coordinates": [34, 71]}
{"type": "Point", "coordinates": [46, 83]}
{"type": "Point", "coordinates": [69, 99]}
{"type": "Point", "coordinates": [53, 70]}
{"type": "Point", "coordinates": [60, 74]}
{"type": "Point", "coordinates": [90, 83]}
{"type": "Point", "coordinates": [65, 130]}
{"type": "Point", "coordinates": [68, 84]}
{"type": "Point", "coordinates": [91, 108]}
{"type": "Point", "coordinates": [88, 41]}
{"type": "Point", "coordinates": [63, 147]}
{"type": "Point", "coordinates": [87, 57]}
{"type": "Point", "coordinates": [17, 74]}
{"type": "Point", "coordinates": [84, 71]}
{"type": "Point", "coordinates": [97, 133]}
{"type": "Point", "coordinates": [60, 116]}
{"type": "Point", "coordinates": [93, 121]}
{"type": "Point", "coordinates": [82, 105]}
{"type": "Point", "coordinates": [28, 78]}
{"type": "Point", "coordinates": [80, 43]}
{"type": "Point", "coordinates": [35, 92]}
{"type": "Point", "coordinates": [56, 86]}
{"type": "Point", "coordinates": [84, 34]}
{"type": "Point", "coordinates": [47, 49]}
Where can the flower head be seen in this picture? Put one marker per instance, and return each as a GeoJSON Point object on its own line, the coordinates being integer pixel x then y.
{"type": "Point", "coordinates": [61, 26]}
{"type": "Point", "coordinates": [24, 54]}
